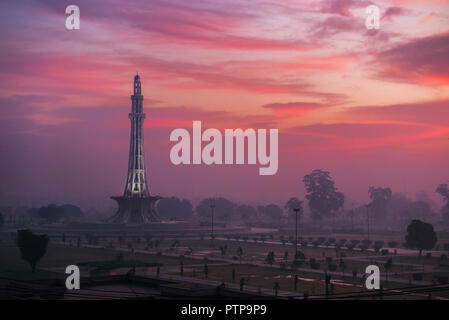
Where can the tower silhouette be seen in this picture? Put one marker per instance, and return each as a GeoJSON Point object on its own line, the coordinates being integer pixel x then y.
{"type": "Point", "coordinates": [136, 206]}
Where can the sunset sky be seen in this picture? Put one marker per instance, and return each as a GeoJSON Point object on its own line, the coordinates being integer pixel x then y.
{"type": "Point", "coordinates": [370, 106]}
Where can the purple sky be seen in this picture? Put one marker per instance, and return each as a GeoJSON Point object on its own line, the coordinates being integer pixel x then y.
{"type": "Point", "coordinates": [371, 107]}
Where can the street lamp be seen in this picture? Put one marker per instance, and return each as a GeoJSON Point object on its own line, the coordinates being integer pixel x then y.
{"type": "Point", "coordinates": [212, 207]}
{"type": "Point", "coordinates": [367, 216]}
{"type": "Point", "coordinates": [296, 229]}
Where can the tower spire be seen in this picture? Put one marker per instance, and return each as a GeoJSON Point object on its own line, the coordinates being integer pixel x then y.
{"type": "Point", "coordinates": [136, 205]}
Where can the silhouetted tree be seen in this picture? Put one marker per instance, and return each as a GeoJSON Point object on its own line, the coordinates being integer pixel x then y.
{"type": "Point", "coordinates": [69, 211]}
{"type": "Point", "coordinates": [270, 258]}
{"type": "Point", "coordinates": [324, 199]}
{"type": "Point", "coordinates": [173, 208]}
{"type": "Point", "coordinates": [246, 213]}
{"type": "Point", "coordinates": [419, 210]}
{"type": "Point", "coordinates": [380, 197]}
{"type": "Point", "coordinates": [51, 213]}
{"type": "Point", "coordinates": [388, 265]}
{"type": "Point", "coordinates": [270, 213]}
{"type": "Point", "coordinates": [32, 247]}
{"type": "Point", "coordinates": [276, 288]}
{"type": "Point", "coordinates": [443, 190]}
{"type": "Point", "coordinates": [421, 236]}
{"type": "Point", "coordinates": [223, 210]}
{"type": "Point", "coordinates": [240, 253]}
{"type": "Point", "coordinates": [292, 204]}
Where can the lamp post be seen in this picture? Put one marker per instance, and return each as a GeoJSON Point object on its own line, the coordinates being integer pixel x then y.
{"type": "Point", "coordinates": [212, 207]}
{"type": "Point", "coordinates": [367, 217]}
{"type": "Point", "coordinates": [296, 229]}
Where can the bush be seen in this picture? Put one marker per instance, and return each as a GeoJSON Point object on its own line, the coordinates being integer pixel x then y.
{"type": "Point", "coordinates": [297, 263]}
{"type": "Point", "coordinates": [392, 244]}
{"type": "Point", "coordinates": [378, 245]}
{"type": "Point", "coordinates": [315, 265]}
{"type": "Point", "coordinates": [442, 280]}
{"type": "Point", "coordinates": [300, 255]}
{"type": "Point", "coordinates": [363, 247]}
{"type": "Point", "coordinates": [417, 276]}
{"type": "Point", "coordinates": [366, 243]}
{"type": "Point", "coordinates": [332, 267]}
{"type": "Point", "coordinates": [350, 246]}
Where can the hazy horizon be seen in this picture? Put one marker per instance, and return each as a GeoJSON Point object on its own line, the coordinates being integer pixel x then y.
{"type": "Point", "coordinates": [370, 107]}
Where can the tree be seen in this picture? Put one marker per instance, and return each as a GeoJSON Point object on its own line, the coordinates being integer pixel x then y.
{"type": "Point", "coordinates": [421, 236]}
{"type": "Point", "coordinates": [32, 247]}
{"type": "Point", "coordinates": [223, 210]}
{"type": "Point", "coordinates": [380, 197]}
{"type": "Point", "coordinates": [270, 213]}
{"type": "Point", "coordinates": [388, 265]}
{"type": "Point", "coordinates": [419, 210]}
{"type": "Point", "coordinates": [443, 190]}
{"type": "Point", "coordinates": [276, 288]}
{"type": "Point", "coordinates": [246, 213]}
{"type": "Point", "coordinates": [291, 205]}
{"type": "Point", "coordinates": [173, 208]}
{"type": "Point", "coordinates": [51, 213]}
{"type": "Point", "coordinates": [72, 212]}
{"type": "Point", "coordinates": [240, 253]}
{"type": "Point", "coordinates": [324, 199]}
{"type": "Point", "coordinates": [270, 258]}
{"type": "Point", "coordinates": [2, 220]}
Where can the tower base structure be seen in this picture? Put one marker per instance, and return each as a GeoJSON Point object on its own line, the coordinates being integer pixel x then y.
{"type": "Point", "coordinates": [136, 210]}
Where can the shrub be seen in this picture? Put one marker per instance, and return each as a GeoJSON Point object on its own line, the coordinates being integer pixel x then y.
{"type": "Point", "coordinates": [392, 244]}
{"type": "Point", "coordinates": [417, 276]}
{"type": "Point", "coordinates": [300, 255]}
{"type": "Point", "coordinates": [366, 242]}
{"type": "Point", "coordinates": [332, 267]}
{"type": "Point", "coordinates": [363, 247]}
{"type": "Point", "coordinates": [442, 280]}
{"type": "Point", "coordinates": [297, 263]}
{"type": "Point", "coordinates": [378, 245]}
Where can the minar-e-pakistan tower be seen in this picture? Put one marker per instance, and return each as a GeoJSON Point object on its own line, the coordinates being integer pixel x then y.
{"type": "Point", "coordinates": [136, 206]}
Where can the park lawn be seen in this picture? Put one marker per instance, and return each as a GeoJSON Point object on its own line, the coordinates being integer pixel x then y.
{"type": "Point", "coordinates": [58, 255]}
